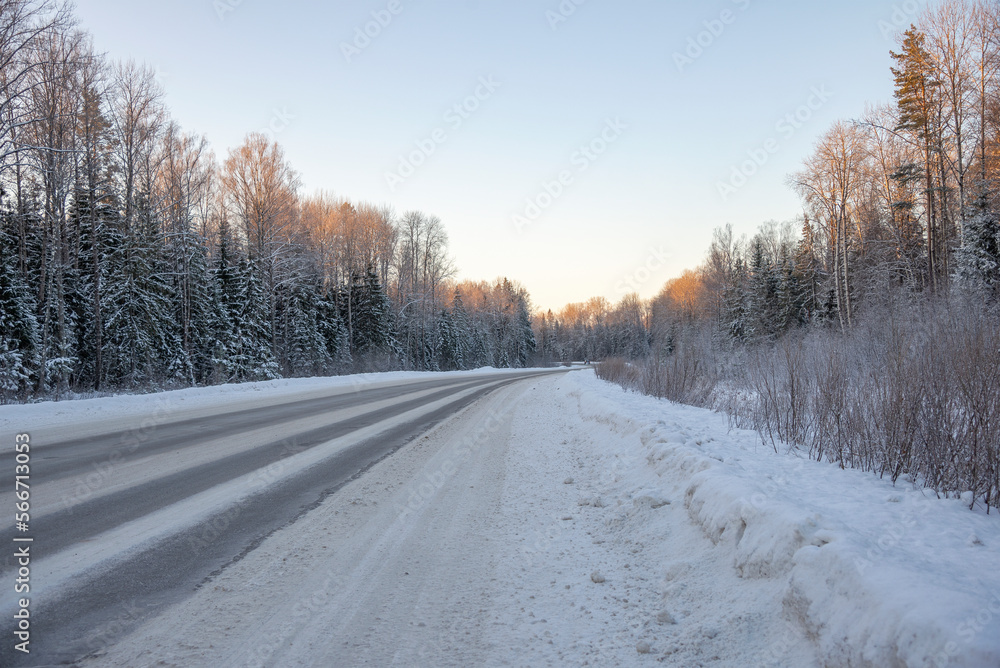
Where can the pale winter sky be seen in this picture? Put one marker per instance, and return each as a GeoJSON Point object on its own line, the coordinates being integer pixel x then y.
{"type": "Point", "coordinates": [589, 91]}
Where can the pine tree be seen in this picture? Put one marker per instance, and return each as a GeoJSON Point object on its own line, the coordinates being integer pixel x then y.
{"type": "Point", "coordinates": [917, 93]}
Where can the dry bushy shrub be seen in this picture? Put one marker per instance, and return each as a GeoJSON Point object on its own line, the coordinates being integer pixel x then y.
{"type": "Point", "coordinates": [914, 394]}
{"type": "Point", "coordinates": [687, 375]}
{"type": "Point", "coordinates": [911, 391]}
{"type": "Point", "coordinates": [619, 371]}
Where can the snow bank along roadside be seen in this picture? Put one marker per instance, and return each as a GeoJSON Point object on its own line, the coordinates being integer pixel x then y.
{"type": "Point", "coordinates": [876, 575]}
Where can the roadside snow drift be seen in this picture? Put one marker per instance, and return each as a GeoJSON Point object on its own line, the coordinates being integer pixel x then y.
{"type": "Point", "coordinates": [876, 575]}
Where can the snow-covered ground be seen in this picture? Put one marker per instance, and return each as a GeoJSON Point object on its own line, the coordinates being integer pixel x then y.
{"type": "Point", "coordinates": [562, 521]}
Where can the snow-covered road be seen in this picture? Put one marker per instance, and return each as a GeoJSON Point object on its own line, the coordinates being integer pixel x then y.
{"type": "Point", "coordinates": [138, 516]}
{"type": "Point", "coordinates": [560, 521]}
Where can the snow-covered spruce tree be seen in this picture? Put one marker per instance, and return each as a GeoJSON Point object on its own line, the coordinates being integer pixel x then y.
{"type": "Point", "coordinates": [763, 292]}
{"type": "Point", "coordinates": [411, 332]}
{"type": "Point", "coordinates": [457, 348]}
{"type": "Point", "coordinates": [501, 336]}
{"type": "Point", "coordinates": [252, 356]}
{"type": "Point", "coordinates": [19, 335]}
{"type": "Point", "coordinates": [978, 260]}
{"type": "Point", "coordinates": [222, 342]}
{"type": "Point", "coordinates": [57, 326]}
{"type": "Point", "coordinates": [461, 332]}
{"type": "Point", "coordinates": [225, 296]}
{"type": "Point", "coordinates": [450, 357]}
{"type": "Point", "coordinates": [526, 345]}
{"type": "Point", "coordinates": [556, 343]}
{"type": "Point", "coordinates": [334, 333]}
{"type": "Point", "coordinates": [304, 346]}
{"type": "Point", "coordinates": [806, 276]}
{"type": "Point", "coordinates": [139, 341]}
{"type": "Point", "coordinates": [191, 296]}
{"type": "Point", "coordinates": [485, 350]}
{"type": "Point", "coordinates": [431, 351]}
{"type": "Point", "coordinates": [543, 338]}
{"type": "Point", "coordinates": [791, 309]}
{"type": "Point", "coordinates": [371, 312]}
{"type": "Point", "coordinates": [737, 316]}
{"type": "Point", "coordinates": [93, 220]}
{"type": "Point", "coordinates": [549, 338]}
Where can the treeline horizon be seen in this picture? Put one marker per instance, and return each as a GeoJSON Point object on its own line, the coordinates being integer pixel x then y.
{"type": "Point", "coordinates": [132, 259]}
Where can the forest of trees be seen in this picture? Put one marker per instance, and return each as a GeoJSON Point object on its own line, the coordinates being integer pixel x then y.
{"type": "Point", "coordinates": [868, 330]}
{"type": "Point", "coordinates": [132, 259]}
